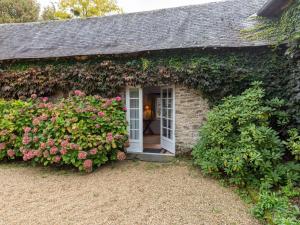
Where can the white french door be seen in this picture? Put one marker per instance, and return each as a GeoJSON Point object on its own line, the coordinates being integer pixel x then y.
{"type": "Point", "coordinates": [167, 134]}
{"type": "Point", "coordinates": [134, 104]}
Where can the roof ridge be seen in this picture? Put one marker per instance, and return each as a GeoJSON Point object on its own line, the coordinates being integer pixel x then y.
{"type": "Point", "coordinates": [118, 15]}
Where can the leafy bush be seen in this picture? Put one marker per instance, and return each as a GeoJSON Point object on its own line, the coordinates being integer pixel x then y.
{"type": "Point", "coordinates": [293, 143]}
{"type": "Point", "coordinates": [237, 141]}
{"type": "Point", "coordinates": [276, 209]}
{"type": "Point", "coordinates": [82, 131]}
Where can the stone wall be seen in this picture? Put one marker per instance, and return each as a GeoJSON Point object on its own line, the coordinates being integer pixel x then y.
{"type": "Point", "coordinates": [191, 110]}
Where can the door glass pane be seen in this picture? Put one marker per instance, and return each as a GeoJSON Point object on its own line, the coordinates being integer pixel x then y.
{"type": "Point", "coordinates": [134, 124]}
{"type": "Point", "coordinates": [164, 112]}
{"type": "Point", "coordinates": [170, 93]}
{"type": "Point", "coordinates": [164, 102]}
{"type": "Point", "coordinates": [134, 114]}
{"type": "Point", "coordinates": [170, 103]}
{"type": "Point", "coordinates": [134, 103]}
{"type": "Point", "coordinates": [170, 134]}
{"type": "Point", "coordinates": [134, 93]}
{"type": "Point", "coordinates": [164, 93]}
{"type": "Point", "coordinates": [170, 124]}
{"type": "Point", "coordinates": [165, 132]}
{"type": "Point", "coordinates": [165, 122]}
{"type": "Point", "coordinates": [170, 112]}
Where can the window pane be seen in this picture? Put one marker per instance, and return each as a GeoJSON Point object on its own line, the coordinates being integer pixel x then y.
{"type": "Point", "coordinates": [170, 124]}
{"type": "Point", "coordinates": [134, 134]}
{"type": "Point", "coordinates": [170, 134]}
{"type": "Point", "coordinates": [164, 112]}
{"type": "Point", "coordinates": [134, 93]}
{"type": "Point", "coordinates": [164, 103]}
{"type": "Point", "coordinates": [165, 122]}
{"type": "Point", "coordinates": [165, 132]}
{"type": "Point", "coordinates": [170, 103]}
{"type": "Point", "coordinates": [165, 93]}
{"type": "Point", "coordinates": [134, 103]}
{"type": "Point", "coordinates": [134, 124]}
{"type": "Point", "coordinates": [170, 113]}
{"type": "Point", "coordinates": [134, 114]}
{"type": "Point", "coordinates": [170, 92]}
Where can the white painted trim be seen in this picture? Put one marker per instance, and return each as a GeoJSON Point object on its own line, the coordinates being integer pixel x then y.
{"type": "Point", "coordinates": [173, 141]}
{"type": "Point", "coordinates": [136, 146]}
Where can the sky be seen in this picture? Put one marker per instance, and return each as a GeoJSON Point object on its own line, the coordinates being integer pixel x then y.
{"type": "Point", "coordinates": [144, 5]}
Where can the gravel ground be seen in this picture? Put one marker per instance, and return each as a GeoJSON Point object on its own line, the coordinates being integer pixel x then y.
{"type": "Point", "coordinates": [128, 193]}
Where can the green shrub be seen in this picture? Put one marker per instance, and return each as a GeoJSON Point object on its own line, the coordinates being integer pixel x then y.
{"type": "Point", "coordinates": [82, 131]}
{"type": "Point", "coordinates": [293, 143]}
{"type": "Point", "coordinates": [237, 141]}
{"type": "Point", "coordinates": [276, 209]}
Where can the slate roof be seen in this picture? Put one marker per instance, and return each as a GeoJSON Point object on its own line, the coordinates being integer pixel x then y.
{"type": "Point", "coordinates": [207, 25]}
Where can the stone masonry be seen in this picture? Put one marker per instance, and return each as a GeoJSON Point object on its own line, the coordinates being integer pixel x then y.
{"type": "Point", "coordinates": [191, 109]}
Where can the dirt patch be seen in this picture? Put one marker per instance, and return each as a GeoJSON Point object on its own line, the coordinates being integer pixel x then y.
{"type": "Point", "coordinates": [128, 193]}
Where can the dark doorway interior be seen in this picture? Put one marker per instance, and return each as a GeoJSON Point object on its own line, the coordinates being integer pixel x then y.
{"type": "Point", "coordinates": [151, 120]}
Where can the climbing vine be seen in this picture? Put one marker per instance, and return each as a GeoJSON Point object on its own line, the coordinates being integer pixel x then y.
{"type": "Point", "coordinates": [284, 29]}
{"type": "Point", "coordinates": [215, 74]}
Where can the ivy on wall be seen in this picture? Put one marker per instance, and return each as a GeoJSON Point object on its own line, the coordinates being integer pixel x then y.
{"type": "Point", "coordinates": [284, 29]}
{"type": "Point", "coordinates": [215, 73]}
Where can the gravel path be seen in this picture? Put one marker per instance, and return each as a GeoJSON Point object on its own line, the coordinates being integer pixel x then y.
{"type": "Point", "coordinates": [127, 194]}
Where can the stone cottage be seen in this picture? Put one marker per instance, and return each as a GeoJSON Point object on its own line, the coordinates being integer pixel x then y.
{"type": "Point", "coordinates": [162, 118]}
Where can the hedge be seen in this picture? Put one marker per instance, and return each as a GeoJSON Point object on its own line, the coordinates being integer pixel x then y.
{"type": "Point", "coordinates": [81, 131]}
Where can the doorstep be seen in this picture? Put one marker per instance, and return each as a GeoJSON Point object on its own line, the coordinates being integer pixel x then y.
{"type": "Point", "coordinates": [150, 157]}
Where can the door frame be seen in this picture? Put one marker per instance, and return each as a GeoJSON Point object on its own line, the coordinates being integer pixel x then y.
{"type": "Point", "coordinates": [136, 146]}
{"type": "Point", "coordinates": [173, 119]}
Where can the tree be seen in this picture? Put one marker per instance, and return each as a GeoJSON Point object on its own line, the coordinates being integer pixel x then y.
{"type": "Point", "coordinates": [49, 12]}
{"type": "Point", "coordinates": [68, 9]}
{"type": "Point", "coordinates": [19, 11]}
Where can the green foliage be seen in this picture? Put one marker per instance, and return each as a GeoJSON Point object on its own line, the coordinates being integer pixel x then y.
{"type": "Point", "coordinates": [276, 209]}
{"type": "Point", "coordinates": [19, 11]}
{"type": "Point", "coordinates": [285, 29]}
{"type": "Point", "coordinates": [237, 140]}
{"type": "Point", "coordinates": [293, 143]}
{"type": "Point", "coordinates": [81, 131]}
{"type": "Point", "coordinates": [68, 9]}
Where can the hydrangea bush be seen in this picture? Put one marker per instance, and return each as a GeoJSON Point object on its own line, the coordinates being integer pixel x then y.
{"type": "Point", "coordinates": [82, 131]}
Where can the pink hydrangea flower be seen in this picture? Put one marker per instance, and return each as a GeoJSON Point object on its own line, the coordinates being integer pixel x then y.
{"type": "Point", "coordinates": [46, 154]}
{"type": "Point", "coordinates": [124, 109]}
{"type": "Point", "coordinates": [82, 155]}
{"type": "Point", "coordinates": [51, 142]}
{"type": "Point", "coordinates": [57, 159]}
{"type": "Point", "coordinates": [63, 151]}
{"type": "Point", "coordinates": [93, 151]}
{"type": "Point", "coordinates": [44, 117]}
{"type": "Point", "coordinates": [27, 129]}
{"type": "Point", "coordinates": [33, 96]}
{"type": "Point", "coordinates": [118, 99]}
{"type": "Point", "coordinates": [64, 143]}
{"type": "Point", "coordinates": [35, 130]}
{"type": "Point", "coordinates": [45, 99]}
{"type": "Point", "coordinates": [101, 114]}
{"type": "Point", "coordinates": [97, 126]}
{"type": "Point", "coordinates": [10, 153]}
{"type": "Point", "coordinates": [79, 93]}
{"type": "Point", "coordinates": [53, 119]}
{"type": "Point", "coordinates": [26, 140]}
{"type": "Point", "coordinates": [2, 146]}
{"type": "Point", "coordinates": [28, 155]}
{"type": "Point", "coordinates": [43, 145]}
{"type": "Point", "coordinates": [37, 153]}
{"type": "Point", "coordinates": [74, 146]}
{"type": "Point", "coordinates": [88, 165]}
{"type": "Point", "coordinates": [109, 137]}
{"type": "Point", "coordinates": [53, 150]}
{"type": "Point", "coordinates": [36, 121]}
{"type": "Point", "coordinates": [35, 139]}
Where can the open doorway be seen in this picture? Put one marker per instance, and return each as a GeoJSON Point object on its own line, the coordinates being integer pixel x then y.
{"type": "Point", "coordinates": [151, 120]}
